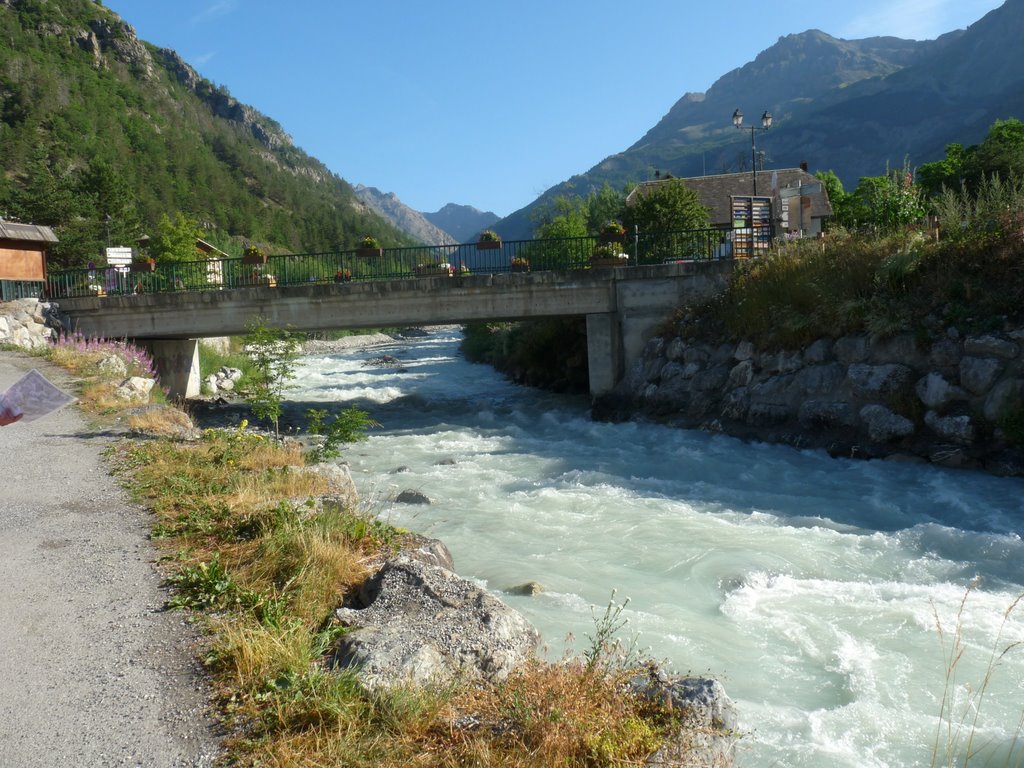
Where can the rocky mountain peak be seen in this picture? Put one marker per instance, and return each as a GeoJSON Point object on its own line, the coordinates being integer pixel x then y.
{"type": "Point", "coordinates": [402, 216]}
{"type": "Point", "coordinates": [463, 221]}
{"type": "Point", "coordinates": [223, 104]}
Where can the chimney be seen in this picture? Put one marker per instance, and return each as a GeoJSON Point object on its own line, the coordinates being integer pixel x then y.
{"type": "Point", "coordinates": [803, 166]}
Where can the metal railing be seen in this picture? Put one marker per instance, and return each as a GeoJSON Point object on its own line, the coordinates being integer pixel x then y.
{"type": "Point", "coordinates": [556, 254]}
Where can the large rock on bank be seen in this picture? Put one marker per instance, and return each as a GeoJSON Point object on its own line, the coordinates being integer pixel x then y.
{"type": "Point", "coordinates": [708, 724]}
{"type": "Point", "coordinates": [424, 624]}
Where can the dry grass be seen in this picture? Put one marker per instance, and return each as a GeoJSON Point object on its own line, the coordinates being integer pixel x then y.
{"type": "Point", "coordinates": [558, 714]}
{"type": "Point", "coordinates": [270, 572]}
{"type": "Point", "coordinates": [957, 735]}
{"type": "Point", "coordinates": [160, 422]}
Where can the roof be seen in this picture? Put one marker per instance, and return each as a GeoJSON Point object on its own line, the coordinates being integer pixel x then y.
{"type": "Point", "coordinates": [715, 192]}
{"type": "Point", "coordinates": [9, 230]}
{"type": "Point", "coordinates": [207, 248]}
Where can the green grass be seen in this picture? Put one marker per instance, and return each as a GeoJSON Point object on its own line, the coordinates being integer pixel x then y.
{"type": "Point", "coordinates": [854, 284]}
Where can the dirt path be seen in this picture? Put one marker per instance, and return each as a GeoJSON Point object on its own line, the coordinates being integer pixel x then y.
{"type": "Point", "coordinates": [92, 671]}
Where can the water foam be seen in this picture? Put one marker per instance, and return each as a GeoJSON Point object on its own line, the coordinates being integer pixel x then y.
{"type": "Point", "coordinates": [811, 586]}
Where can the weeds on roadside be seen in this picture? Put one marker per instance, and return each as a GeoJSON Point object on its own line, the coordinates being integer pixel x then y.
{"type": "Point", "coordinates": [608, 650]}
{"type": "Point", "coordinates": [80, 354]}
{"type": "Point", "coordinates": [89, 359]}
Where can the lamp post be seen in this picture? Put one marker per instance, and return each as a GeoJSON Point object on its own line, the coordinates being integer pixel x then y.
{"type": "Point", "coordinates": [766, 123]}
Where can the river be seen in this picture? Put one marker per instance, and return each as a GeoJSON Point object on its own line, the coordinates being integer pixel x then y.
{"type": "Point", "coordinates": [827, 595]}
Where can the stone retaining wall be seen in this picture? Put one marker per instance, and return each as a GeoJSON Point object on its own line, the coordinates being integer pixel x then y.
{"type": "Point", "coordinates": [957, 401]}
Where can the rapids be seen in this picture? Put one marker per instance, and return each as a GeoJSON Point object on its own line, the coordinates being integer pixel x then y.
{"type": "Point", "coordinates": [827, 595]}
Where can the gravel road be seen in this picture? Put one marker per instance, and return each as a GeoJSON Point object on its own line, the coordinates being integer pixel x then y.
{"type": "Point", "coordinates": [92, 671]}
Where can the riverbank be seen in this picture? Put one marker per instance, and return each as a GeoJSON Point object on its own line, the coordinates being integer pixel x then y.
{"type": "Point", "coordinates": [95, 671]}
{"type": "Point", "coordinates": [956, 401]}
{"type": "Point", "coordinates": [262, 548]}
{"type": "Point", "coordinates": [740, 557]}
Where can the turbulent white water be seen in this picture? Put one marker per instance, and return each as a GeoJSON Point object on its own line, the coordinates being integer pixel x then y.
{"type": "Point", "coordinates": [812, 587]}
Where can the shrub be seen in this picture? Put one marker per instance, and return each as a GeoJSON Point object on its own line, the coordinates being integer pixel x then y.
{"type": "Point", "coordinates": [348, 426]}
{"type": "Point", "coordinates": [272, 352]}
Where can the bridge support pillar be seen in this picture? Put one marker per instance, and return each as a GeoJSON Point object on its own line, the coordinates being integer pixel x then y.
{"type": "Point", "coordinates": [604, 352]}
{"type": "Point", "coordinates": [177, 364]}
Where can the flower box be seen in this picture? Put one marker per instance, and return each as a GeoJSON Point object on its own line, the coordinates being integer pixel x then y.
{"type": "Point", "coordinates": [433, 270]}
{"type": "Point", "coordinates": [519, 268]}
{"type": "Point", "coordinates": [254, 258]}
{"type": "Point", "coordinates": [488, 245]}
{"type": "Point", "coordinates": [609, 262]}
{"type": "Point", "coordinates": [369, 251]}
{"type": "Point", "coordinates": [612, 237]}
{"type": "Point", "coordinates": [143, 266]}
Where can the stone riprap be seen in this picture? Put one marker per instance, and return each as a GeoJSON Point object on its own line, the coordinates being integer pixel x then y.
{"type": "Point", "coordinates": [957, 401]}
{"type": "Point", "coordinates": [28, 323]}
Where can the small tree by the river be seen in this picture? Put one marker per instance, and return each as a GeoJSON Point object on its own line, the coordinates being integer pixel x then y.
{"type": "Point", "coordinates": [273, 352]}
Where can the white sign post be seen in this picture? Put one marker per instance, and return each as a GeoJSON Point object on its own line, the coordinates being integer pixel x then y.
{"type": "Point", "coordinates": [119, 257]}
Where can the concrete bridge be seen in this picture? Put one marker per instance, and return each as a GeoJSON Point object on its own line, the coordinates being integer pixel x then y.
{"type": "Point", "coordinates": [622, 307]}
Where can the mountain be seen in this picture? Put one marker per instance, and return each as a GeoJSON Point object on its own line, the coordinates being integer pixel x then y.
{"type": "Point", "coordinates": [101, 134]}
{"type": "Point", "coordinates": [464, 222]}
{"type": "Point", "coordinates": [852, 106]}
{"type": "Point", "coordinates": [413, 223]}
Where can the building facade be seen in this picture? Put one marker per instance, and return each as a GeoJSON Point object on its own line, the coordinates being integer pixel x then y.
{"type": "Point", "coordinates": [23, 250]}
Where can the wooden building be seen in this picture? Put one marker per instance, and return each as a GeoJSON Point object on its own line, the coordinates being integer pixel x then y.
{"type": "Point", "coordinates": [23, 259]}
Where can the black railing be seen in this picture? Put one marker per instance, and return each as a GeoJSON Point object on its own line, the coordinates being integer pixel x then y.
{"type": "Point", "coordinates": [556, 254]}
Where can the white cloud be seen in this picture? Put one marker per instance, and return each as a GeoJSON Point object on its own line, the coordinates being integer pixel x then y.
{"type": "Point", "coordinates": [213, 11]}
{"type": "Point", "coordinates": [203, 58]}
{"type": "Point", "coordinates": [916, 19]}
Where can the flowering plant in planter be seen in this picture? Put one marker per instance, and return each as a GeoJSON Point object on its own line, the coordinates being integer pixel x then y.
{"type": "Point", "coordinates": [520, 264]}
{"type": "Point", "coordinates": [432, 269]}
{"type": "Point", "coordinates": [343, 276]}
{"type": "Point", "coordinates": [369, 246]}
{"type": "Point", "coordinates": [608, 255]}
{"type": "Point", "coordinates": [489, 239]}
{"type": "Point", "coordinates": [253, 255]}
{"type": "Point", "coordinates": [612, 232]}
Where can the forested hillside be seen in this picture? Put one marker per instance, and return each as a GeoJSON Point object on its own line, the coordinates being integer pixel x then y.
{"type": "Point", "coordinates": [101, 135]}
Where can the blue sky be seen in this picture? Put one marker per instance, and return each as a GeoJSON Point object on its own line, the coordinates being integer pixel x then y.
{"type": "Point", "coordinates": [489, 103]}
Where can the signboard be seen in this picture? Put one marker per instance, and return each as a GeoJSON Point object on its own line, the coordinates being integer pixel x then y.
{"type": "Point", "coordinates": [751, 225]}
{"type": "Point", "coordinates": [119, 257]}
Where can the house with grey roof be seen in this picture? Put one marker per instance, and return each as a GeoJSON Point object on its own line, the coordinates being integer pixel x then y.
{"type": "Point", "coordinates": [797, 201]}
{"type": "Point", "coordinates": [23, 259]}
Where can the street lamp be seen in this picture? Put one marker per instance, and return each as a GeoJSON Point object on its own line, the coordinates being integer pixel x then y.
{"type": "Point", "coordinates": [766, 123]}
